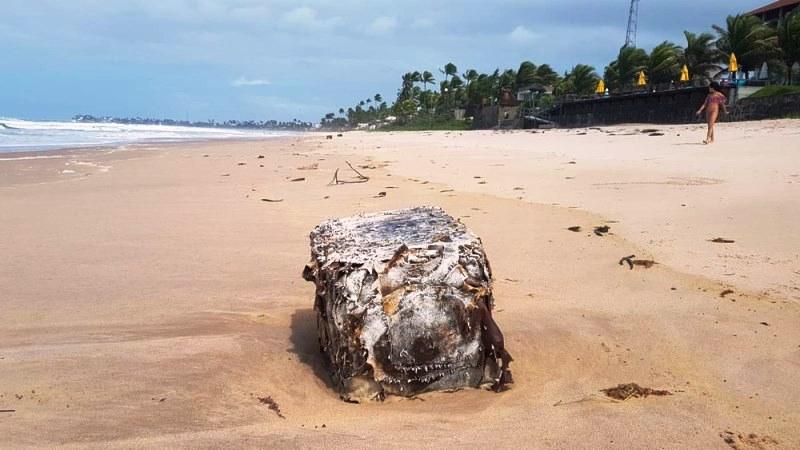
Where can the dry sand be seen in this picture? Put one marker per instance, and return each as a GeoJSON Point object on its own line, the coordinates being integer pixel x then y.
{"type": "Point", "coordinates": [150, 297]}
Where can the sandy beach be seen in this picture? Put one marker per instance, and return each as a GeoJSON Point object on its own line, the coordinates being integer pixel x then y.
{"type": "Point", "coordinates": [150, 296]}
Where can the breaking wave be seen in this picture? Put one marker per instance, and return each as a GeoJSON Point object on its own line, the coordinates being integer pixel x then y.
{"type": "Point", "coordinates": [24, 135]}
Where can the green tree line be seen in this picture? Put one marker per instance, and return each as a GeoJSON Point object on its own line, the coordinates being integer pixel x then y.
{"type": "Point", "coordinates": [705, 55]}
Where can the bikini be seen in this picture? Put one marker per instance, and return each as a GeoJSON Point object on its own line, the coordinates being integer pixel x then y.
{"type": "Point", "coordinates": [715, 99]}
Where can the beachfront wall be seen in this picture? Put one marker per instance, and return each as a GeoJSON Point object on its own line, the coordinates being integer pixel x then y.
{"type": "Point", "coordinates": [677, 106]}
{"type": "Point", "coordinates": [673, 106]}
{"type": "Point", "coordinates": [775, 107]}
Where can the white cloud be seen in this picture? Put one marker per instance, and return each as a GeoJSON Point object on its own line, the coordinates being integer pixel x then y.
{"type": "Point", "coordinates": [285, 107]}
{"type": "Point", "coordinates": [251, 13]}
{"type": "Point", "coordinates": [522, 35]}
{"type": "Point", "coordinates": [242, 81]}
{"type": "Point", "coordinates": [306, 17]}
{"type": "Point", "coordinates": [382, 25]}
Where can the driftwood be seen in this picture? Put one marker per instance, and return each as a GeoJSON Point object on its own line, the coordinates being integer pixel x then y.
{"type": "Point", "coordinates": [360, 178]}
{"type": "Point", "coordinates": [404, 305]}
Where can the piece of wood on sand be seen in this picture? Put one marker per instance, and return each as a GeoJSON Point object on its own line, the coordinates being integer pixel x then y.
{"type": "Point", "coordinates": [403, 303]}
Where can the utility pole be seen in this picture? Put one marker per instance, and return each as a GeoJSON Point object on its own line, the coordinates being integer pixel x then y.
{"type": "Point", "coordinates": [633, 24]}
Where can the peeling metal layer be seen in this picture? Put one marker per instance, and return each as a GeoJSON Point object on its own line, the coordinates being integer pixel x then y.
{"type": "Point", "coordinates": [403, 302]}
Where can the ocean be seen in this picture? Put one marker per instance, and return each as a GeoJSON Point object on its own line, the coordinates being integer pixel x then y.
{"type": "Point", "coordinates": [24, 135]}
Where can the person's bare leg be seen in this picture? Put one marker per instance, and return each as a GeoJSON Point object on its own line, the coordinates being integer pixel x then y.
{"type": "Point", "coordinates": [708, 130]}
{"type": "Point", "coordinates": [712, 126]}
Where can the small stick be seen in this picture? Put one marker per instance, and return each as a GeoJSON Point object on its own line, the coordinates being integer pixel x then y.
{"type": "Point", "coordinates": [7, 410]}
{"type": "Point", "coordinates": [362, 176]}
{"type": "Point", "coordinates": [335, 179]}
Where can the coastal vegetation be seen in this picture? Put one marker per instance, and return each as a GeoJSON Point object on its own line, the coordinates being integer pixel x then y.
{"type": "Point", "coordinates": [421, 103]}
{"type": "Point", "coordinates": [775, 90]}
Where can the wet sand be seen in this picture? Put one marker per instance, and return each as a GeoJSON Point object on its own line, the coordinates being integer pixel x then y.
{"type": "Point", "coordinates": [150, 297]}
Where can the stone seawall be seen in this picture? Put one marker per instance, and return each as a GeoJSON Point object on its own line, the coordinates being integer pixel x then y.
{"type": "Point", "coordinates": [675, 106]}
{"type": "Point", "coordinates": [777, 107]}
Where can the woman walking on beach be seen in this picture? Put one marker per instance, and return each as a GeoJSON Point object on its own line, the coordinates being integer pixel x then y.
{"type": "Point", "coordinates": [714, 100]}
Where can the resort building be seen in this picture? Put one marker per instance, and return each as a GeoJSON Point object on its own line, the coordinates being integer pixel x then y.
{"type": "Point", "coordinates": [775, 10]}
{"type": "Point", "coordinates": [526, 94]}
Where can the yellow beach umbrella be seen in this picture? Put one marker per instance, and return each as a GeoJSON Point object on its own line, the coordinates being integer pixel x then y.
{"type": "Point", "coordinates": [685, 73]}
{"type": "Point", "coordinates": [601, 87]}
{"type": "Point", "coordinates": [642, 80]}
{"type": "Point", "coordinates": [733, 66]}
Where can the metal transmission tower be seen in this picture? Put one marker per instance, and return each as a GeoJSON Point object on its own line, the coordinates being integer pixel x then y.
{"type": "Point", "coordinates": [633, 24]}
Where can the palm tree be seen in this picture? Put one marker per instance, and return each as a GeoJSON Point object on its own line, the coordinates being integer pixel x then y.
{"type": "Point", "coordinates": [378, 98]}
{"type": "Point", "coordinates": [456, 93]}
{"type": "Point", "coordinates": [700, 55]}
{"type": "Point", "coordinates": [526, 74]}
{"type": "Point", "coordinates": [622, 72]}
{"type": "Point", "coordinates": [427, 78]}
{"type": "Point", "coordinates": [788, 33]}
{"type": "Point", "coordinates": [664, 64]}
{"type": "Point", "coordinates": [341, 111]}
{"type": "Point", "coordinates": [407, 89]}
{"type": "Point", "coordinates": [507, 80]}
{"type": "Point", "coordinates": [546, 76]}
{"type": "Point", "coordinates": [456, 83]}
{"type": "Point", "coordinates": [749, 38]}
{"type": "Point", "coordinates": [425, 97]}
{"type": "Point", "coordinates": [564, 86]}
{"type": "Point", "coordinates": [583, 79]}
{"type": "Point", "coordinates": [471, 75]}
{"type": "Point", "coordinates": [479, 87]}
{"type": "Point", "coordinates": [449, 70]}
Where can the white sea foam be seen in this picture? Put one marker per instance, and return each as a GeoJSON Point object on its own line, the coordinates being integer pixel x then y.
{"type": "Point", "coordinates": [20, 158]}
{"type": "Point", "coordinates": [24, 135]}
{"type": "Point", "coordinates": [100, 167]}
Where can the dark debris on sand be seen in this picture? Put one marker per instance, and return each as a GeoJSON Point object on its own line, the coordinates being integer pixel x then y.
{"type": "Point", "coordinates": [626, 391]}
{"type": "Point", "coordinates": [646, 263]}
{"type": "Point", "coordinates": [273, 405]}
{"type": "Point", "coordinates": [720, 240]}
{"type": "Point", "coordinates": [741, 441]}
{"type": "Point", "coordinates": [601, 231]}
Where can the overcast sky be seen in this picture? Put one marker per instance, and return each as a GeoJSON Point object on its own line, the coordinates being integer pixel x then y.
{"type": "Point", "coordinates": [258, 59]}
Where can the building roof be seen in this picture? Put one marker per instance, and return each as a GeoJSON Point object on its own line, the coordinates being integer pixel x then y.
{"type": "Point", "coordinates": [535, 87]}
{"type": "Point", "coordinates": [775, 5]}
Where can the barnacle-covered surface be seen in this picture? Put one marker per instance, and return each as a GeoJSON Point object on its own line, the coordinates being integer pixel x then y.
{"type": "Point", "coordinates": [403, 304]}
